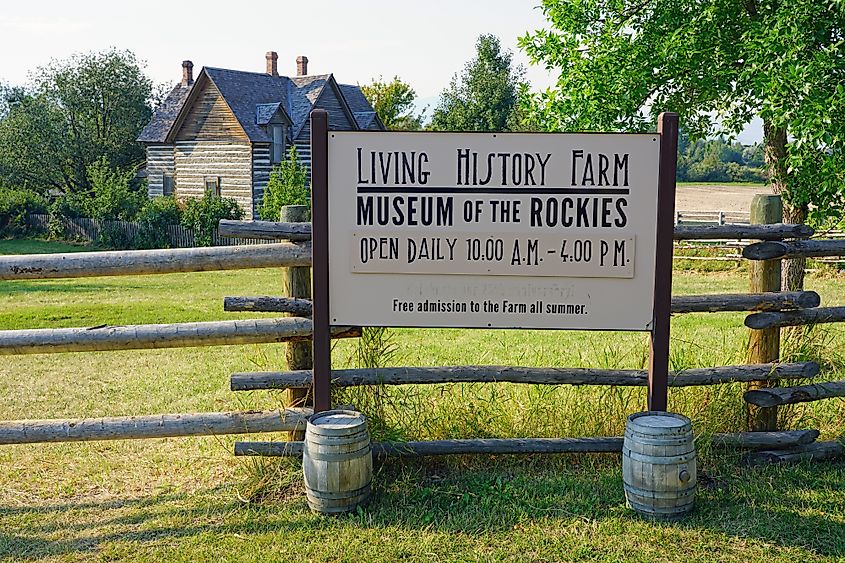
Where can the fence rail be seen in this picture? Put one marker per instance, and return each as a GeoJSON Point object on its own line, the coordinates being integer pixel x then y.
{"type": "Point", "coordinates": [151, 426]}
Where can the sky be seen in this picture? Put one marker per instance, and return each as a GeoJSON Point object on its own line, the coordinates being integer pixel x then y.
{"type": "Point", "coordinates": [423, 42]}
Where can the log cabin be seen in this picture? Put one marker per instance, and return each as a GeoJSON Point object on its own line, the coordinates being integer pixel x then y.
{"type": "Point", "coordinates": [224, 131]}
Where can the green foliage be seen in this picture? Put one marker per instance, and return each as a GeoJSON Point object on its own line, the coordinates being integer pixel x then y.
{"type": "Point", "coordinates": [154, 218]}
{"type": "Point", "coordinates": [287, 186]}
{"type": "Point", "coordinates": [717, 160]}
{"type": "Point", "coordinates": [484, 96]}
{"type": "Point", "coordinates": [91, 106]}
{"type": "Point", "coordinates": [15, 205]}
{"type": "Point", "coordinates": [394, 104]}
{"type": "Point", "coordinates": [112, 236]}
{"type": "Point", "coordinates": [717, 63]}
{"type": "Point", "coordinates": [113, 196]}
{"type": "Point", "coordinates": [201, 215]}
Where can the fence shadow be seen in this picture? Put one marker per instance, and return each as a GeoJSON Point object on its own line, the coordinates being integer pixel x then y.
{"type": "Point", "coordinates": [766, 505]}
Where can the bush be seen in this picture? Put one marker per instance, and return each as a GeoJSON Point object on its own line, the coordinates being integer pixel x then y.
{"type": "Point", "coordinates": [201, 215]}
{"type": "Point", "coordinates": [114, 198]}
{"type": "Point", "coordinates": [287, 186]}
{"type": "Point", "coordinates": [15, 205]}
{"type": "Point", "coordinates": [154, 218]}
{"type": "Point", "coordinates": [112, 236]}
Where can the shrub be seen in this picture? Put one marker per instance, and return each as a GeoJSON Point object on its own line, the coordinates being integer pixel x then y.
{"type": "Point", "coordinates": [287, 186]}
{"type": "Point", "coordinates": [114, 197]}
{"type": "Point", "coordinates": [111, 235]}
{"type": "Point", "coordinates": [201, 215]}
{"type": "Point", "coordinates": [15, 205]}
{"type": "Point", "coordinates": [154, 218]}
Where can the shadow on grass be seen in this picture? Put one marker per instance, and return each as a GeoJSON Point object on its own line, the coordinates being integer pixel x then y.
{"type": "Point", "coordinates": [65, 286]}
{"type": "Point", "coordinates": [798, 507]}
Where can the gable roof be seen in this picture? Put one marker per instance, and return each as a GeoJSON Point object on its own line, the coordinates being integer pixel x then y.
{"type": "Point", "coordinates": [360, 106]}
{"type": "Point", "coordinates": [264, 113]}
{"type": "Point", "coordinates": [254, 98]}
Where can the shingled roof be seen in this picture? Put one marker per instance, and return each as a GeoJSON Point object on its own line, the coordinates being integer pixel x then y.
{"type": "Point", "coordinates": [360, 107]}
{"type": "Point", "coordinates": [165, 115]}
{"type": "Point", "coordinates": [254, 97]}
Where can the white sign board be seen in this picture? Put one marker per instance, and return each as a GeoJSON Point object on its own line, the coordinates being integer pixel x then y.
{"type": "Point", "coordinates": [492, 230]}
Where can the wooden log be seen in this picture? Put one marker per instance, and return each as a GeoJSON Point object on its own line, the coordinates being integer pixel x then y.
{"type": "Point", "coordinates": [773, 301]}
{"type": "Point", "coordinates": [270, 230]}
{"type": "Point", "coordinates": [769, 301]}
{"type": "Point", "coordinates": [817, 451]}
{"type": "Point", "coordinates": [137, 262]}
{"type": "Point", "coordinates": [151, 426]}
{"type": "Point", "coordinates": [776, 231]}
{"type": "Point", "coordinates": [134, 337]}
{"type": "Point", "coordinates": [774, 396]}
{"type": "Point", "coordinates": [250, 381]}
{"type": "Point", "coordinates": [265, 230]}
{"type": "Point", "coordinates": [764, 345]}
{"type": "Point", "coordinates": [611, 444]}
{"type": "Point", "coordinates": [796, 318]}
{"type": "Point", "coordinates": [264, 304]}
{"type": "Point", "coordinates": [759, 440]}
{"type": "Point", "coordinates": [772, 250]}
{"type": "Point", "coordinates": [452, 447]}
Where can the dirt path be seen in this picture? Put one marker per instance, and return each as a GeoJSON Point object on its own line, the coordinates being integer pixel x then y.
{"type": "Point", "coordinates": [717, 198]}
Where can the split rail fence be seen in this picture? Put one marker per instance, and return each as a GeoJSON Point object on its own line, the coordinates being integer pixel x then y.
{"type": "Point", "coordinates": [769, 307]}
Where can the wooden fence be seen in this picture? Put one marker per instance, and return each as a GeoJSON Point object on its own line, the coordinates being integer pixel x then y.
{"type": "Point", "coordinates": [769, 308]}
{"type": "Point", "coordinates": [90, 230]}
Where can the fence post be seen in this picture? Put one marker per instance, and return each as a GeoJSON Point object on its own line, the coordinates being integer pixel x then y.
{"type": "Point", "coordinates": [764, 345]}
{"type": "Point", "coordinates": [297, 283]}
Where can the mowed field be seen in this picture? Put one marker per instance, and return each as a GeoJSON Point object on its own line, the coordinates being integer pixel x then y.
{"type": "Point", "coordinates": [189, 499]}
{"type": "Point", "coordinates": [717, 197]}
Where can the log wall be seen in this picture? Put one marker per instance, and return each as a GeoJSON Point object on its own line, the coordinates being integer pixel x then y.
{"type": "Point", "coordinates": [159, 162]}
{"type": "Point", "coordinates": [231, 161]}
{"type": "Point", "coordinates": [260, 174]}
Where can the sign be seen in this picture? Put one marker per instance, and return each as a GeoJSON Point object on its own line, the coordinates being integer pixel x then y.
{"type": "Point", "coordinates": [492, 230]}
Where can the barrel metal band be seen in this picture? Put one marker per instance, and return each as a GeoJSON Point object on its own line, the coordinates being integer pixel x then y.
{"type": "Point", "coordinates": [345, 456]}
{"type": "Point", "coordinates": [337, 495]}
{"type": "Point", "coordinates": [659, 460]}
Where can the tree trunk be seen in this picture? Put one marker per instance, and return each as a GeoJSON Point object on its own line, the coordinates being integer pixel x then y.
{"type": "Point", "coordinates": [774, 139]}
{"type": "Point", "coordinates": [792, 273]}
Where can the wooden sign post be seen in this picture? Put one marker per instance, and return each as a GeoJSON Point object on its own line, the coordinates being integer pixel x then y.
{"type": "Point", "coordinates": [320, 267]}
{"type": "Point", "coordinates": [658, 356]}
{"type": "Point", "coordinates": [493, 230]}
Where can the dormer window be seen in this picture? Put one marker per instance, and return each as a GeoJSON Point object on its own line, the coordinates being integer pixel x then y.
{"type": "Point", "coordinates": [277, 149]}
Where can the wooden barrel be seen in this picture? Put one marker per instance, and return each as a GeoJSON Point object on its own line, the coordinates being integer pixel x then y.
{"type": "Point", "coordinates": [658, 465]}
{"type": "Point", "coordinates": [337, 461]}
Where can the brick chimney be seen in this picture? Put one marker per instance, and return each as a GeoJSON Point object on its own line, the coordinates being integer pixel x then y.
{"type": "Point", "coordinates": [272, 60]}
{"type": "Point", "coordinates": [302, 65]}
{"type": "Point", "coordinates": [187, 73]}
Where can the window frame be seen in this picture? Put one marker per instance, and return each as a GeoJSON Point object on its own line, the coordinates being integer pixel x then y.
{"type": "Point", "coordinates": [212, 184]}
{"type": "Point", "coordinates": [277, 144]}
{"type": "Point", "coordinates": [168, 186]}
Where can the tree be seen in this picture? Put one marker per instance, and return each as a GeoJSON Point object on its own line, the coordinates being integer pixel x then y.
{"type": "Point", "coordinates": [76, 111]}
{"type": "Point", "coordinates": [484, 96]}
{"type": "Point", "coordinates": [288, 185]}
{"type": "Point", "coordinates": [394, 104]}
{"type": "Point", "coordinates": [717, 63]}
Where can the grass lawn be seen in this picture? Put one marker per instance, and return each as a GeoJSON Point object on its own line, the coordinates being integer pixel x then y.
{"type": "Point", "coordinates": [190, 499]}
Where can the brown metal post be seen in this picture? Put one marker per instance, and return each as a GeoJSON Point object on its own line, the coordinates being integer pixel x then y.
{"type": "Point", "coordinates": [320, 247]}
{"type": "Point", "coordinates": [658, 358]}
{"type": "Point", "coordinates": [764, 345]}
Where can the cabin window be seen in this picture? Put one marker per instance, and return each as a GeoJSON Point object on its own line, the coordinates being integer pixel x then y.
{"type": "Point", "coordinates": [167, 184]}
{"type": "Point", "coordinates": [277, 149]}
{"type": "Point", "coordinates": [212, 185]}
